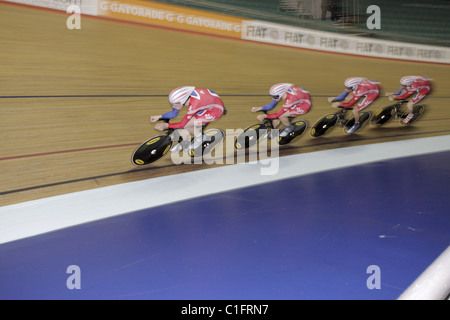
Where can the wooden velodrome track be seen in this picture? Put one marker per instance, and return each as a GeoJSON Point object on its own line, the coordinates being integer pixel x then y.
{"type": "Point", "coordinates": [76, 103]}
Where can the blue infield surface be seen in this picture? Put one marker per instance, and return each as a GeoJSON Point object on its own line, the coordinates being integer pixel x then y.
{"type": "Point", "coordinates": [309, 237]}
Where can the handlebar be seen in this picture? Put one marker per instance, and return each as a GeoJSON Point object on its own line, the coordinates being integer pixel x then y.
{"type": "Point", "coordinates": [168, 130]}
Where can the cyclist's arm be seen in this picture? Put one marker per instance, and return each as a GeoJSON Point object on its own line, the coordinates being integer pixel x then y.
{"type": "Point", "coordinates": [181, 124]}
{"type": "Point", "coordinates": [398, 92]}
{"type": "Point", "coordinates": [277, 114]}
{"type": "Point", "coordinates": [350, 102]}
{"type": "Point", "coordinates": [403, 94]}
{"type": "Point", "coordinates": [269, 106]}
{"type": "Point", "coordinates": [342, 96]}
{"type": "Point", "coordinates": [170, 115]}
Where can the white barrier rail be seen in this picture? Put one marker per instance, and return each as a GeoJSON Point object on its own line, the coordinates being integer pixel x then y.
{"type": "Point", "coordinates": [433, 283]}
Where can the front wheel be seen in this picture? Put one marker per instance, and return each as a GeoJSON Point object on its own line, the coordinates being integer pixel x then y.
{"type": "Point", "coordinates": [299, 128]}
{"type": "Point", "coordinates": [364, 117]}
{"type": "Point", "coordinates": [418, 110]}
{"type": "Point", "coordinates": [383, 115]}
{"type": "Point", "coordinates": [250, 136]}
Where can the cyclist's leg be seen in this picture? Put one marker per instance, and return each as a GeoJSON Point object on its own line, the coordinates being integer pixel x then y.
{"type": "Point", "coordinates": [182, 136]}
{"type": "Point", "coordinates": [421, 94]}
{"type": "Point", "coordinates": [367, 101]}
{"type": "Point", "coordinates": [199, 121]}
{"type": "Point", "coordinates": [284, 118]}
{"type": "Point", "coordinates": [359, 107]}
{"type": "Point", "coordinates": [193, 127]}
{"type": "Point", "coordinates": [294, 111]}
{"type": "Point", "coordinates": [277, 118]}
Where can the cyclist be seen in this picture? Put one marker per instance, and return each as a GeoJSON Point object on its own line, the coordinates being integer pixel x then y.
{"type": "Point", "coordinates": [203, 105]}
{"type": "Point", "coordinates": [418, 85]}
{"type": "Point", "coordinates": [296, 102]}
{"type": "Point", "coordinates": [355, 89]}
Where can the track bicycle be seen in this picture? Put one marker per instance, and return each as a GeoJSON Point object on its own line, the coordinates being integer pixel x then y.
{"type": "Point", "coordinates": [338, 119]}
{"type": "Point", "coordinates": [263, 130]}
{"type": "Point", "coordinates": [158, 146]}
{"type": "Point", "coordinates": [396, 111]}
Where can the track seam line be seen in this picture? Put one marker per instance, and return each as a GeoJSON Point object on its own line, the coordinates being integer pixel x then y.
{"type": "Point", "coordinates": [174, 165]}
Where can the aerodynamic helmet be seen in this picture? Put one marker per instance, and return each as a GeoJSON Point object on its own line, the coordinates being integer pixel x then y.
{"type": "Point", "coordinates": [180, 95]}
{"type": "Point", "coordinates": [278, 90]}
{"type": "Point", "coordinates": [353, 82]}
{"type": "Point", "coordinates": [408, 80]}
